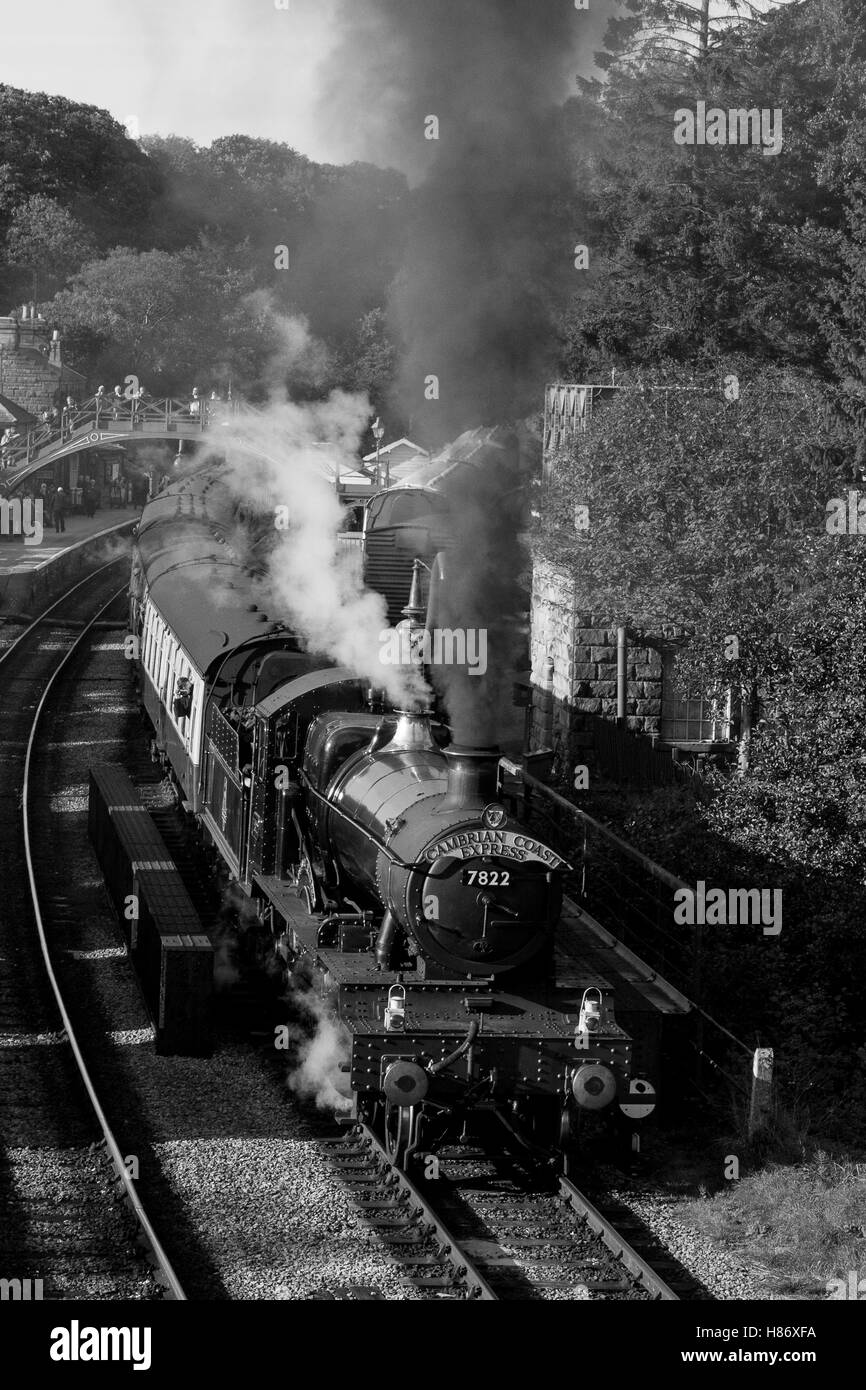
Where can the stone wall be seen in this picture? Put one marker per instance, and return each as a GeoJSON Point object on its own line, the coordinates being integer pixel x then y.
{"type": "Point", "coordinates": [583, 648]}
{"type": "Point", "coordinates": [35, 383]}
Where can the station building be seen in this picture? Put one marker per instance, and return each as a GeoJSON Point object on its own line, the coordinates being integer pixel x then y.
{"type": "Point", "coordinates": [601, 694]}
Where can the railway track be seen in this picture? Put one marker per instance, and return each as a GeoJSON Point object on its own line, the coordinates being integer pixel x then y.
{"type": "Point", "coordinates": [73, 1223]}
{"type": "Point", "coordinates": [490, 1226]}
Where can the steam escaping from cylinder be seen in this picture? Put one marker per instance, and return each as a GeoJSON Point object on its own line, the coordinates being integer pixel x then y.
{"type": "Point", "coordinates": [316, 1073]}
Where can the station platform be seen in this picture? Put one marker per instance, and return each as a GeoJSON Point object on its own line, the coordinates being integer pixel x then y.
{"type": "Point", "coordinates": [28, 571]}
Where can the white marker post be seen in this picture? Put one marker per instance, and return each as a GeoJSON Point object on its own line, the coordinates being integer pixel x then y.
{"type": "Point", "coordinates": [762, 1090]}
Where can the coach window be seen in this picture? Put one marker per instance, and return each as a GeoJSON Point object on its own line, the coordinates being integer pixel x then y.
{"type": "Point", "coordinates": [168, 649]}
{"type": "Point", "coordinates": [159, 654]}
{"type": "Point", "coordinates": [171, 680]}
{"type": "Point", "coordinates": [193, 712]}
{"type": "Point", "coordinates": [147, 655]}
{"type": "Point", "coordinates": [154, 649]}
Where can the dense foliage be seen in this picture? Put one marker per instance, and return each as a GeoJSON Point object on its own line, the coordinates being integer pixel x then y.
{"type": "Point", "coordinates": [709, 513]}
{"type": "Point", "coordinates": [164, 258]}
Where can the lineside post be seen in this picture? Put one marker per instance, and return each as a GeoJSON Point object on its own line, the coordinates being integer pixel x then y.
{"type": "Point", "coordinates": [762, 1090]}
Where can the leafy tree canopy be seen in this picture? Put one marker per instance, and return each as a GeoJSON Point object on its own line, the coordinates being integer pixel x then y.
{"type": "Point", "coordinates": [79, 156]}
{"type": "Point", "coordinates": [174, 320]}
{"type": "Point", "coordinates": [693, 496]}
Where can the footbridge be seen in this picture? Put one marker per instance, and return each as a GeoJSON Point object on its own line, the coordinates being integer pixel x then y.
{"type": "Point", "coordinates": [108, 421]}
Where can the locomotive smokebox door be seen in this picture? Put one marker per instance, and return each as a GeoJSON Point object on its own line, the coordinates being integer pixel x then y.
{"type": "Point", "coordinates": [482, 914]}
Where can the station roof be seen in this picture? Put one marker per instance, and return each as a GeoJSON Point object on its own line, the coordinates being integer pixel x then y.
{"type": "Point", "coordinates": [471, 449]}
{"type": "Point", "coordinates": [404, 444]}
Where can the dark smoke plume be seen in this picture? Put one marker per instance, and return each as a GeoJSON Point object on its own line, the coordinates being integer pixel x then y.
{"type": "Point", "coordinates": [481, 593]}
{"type": "Point", "coordinates": [491, 239]}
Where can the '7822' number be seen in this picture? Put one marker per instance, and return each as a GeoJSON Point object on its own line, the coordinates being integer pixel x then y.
{"type": "Point", "coordinates": [487, 878]}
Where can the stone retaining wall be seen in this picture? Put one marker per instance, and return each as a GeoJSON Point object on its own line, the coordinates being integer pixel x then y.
{"type": "Point", "coordinates": [583, 648]}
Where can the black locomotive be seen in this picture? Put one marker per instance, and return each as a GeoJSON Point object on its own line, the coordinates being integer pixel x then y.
{"type": "Point", "coordinates": [379, 856]}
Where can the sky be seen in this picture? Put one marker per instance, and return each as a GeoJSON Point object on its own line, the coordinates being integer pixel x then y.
{"type": "Point", "coordinates": [198, 68]}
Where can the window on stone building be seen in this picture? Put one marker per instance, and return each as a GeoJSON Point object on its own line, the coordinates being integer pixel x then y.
{"type": "Point", "coordinates": [688, 718]}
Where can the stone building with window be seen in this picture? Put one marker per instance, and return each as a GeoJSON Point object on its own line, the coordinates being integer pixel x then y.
{"type": "Point", "coordinates": [601, 693]}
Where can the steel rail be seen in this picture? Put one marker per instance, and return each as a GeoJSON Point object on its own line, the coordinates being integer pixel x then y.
{"type": "Point", "coordinates": [464, 1268]}
{"type": "Point", "coordinates": [616, 1244]}
{"type": "Point", "coordinates": [37, 622]}
{"type": "Point", "coordinates": [579, 1203]}
{"type": "Point", "coordinates": [165, 1272]}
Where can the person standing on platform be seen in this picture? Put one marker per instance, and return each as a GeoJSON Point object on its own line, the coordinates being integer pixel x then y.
{"type": "Point", "coordinates": [6, 446]}
{"type": "Point", "coordinates": [195, 405]}
{"type": "Point", "coordinates": [60, 510]}
{"type": "Point", "coordinates": [117, 402]}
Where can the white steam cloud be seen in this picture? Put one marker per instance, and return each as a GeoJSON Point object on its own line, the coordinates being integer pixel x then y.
{"type": "Point", "coordinates": [285, 459]}
{"type": "Point", "coordinates": [317, 1074]}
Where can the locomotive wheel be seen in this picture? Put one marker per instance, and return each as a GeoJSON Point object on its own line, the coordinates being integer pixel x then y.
{"type": "Point", "coordinates": [399, 1122]}
{"type": "Point", "coordinates": [308, 886]}
{"type": "Point", "coordinates": [568, 1142]}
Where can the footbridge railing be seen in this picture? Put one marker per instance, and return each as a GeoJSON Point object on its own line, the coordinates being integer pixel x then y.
{"type": "Point", "coordinates": [102, 417]}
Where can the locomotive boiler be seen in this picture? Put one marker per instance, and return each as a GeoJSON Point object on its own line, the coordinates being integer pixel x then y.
{"type": "Point", "coordinates": [419, 832]}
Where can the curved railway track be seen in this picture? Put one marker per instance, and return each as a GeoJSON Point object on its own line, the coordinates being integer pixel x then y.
{"type": "Point", "coordinates": [72, 1218]}
{"type": "Point", "coordinates": [491, 1227]}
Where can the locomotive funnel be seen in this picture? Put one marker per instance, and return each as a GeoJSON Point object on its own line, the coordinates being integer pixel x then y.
{"type": "Point", "coordinates": [472, 776]}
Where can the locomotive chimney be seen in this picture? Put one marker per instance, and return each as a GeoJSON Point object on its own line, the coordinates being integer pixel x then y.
{"type": "Point", "coordinates": [472, 777]}
{"type": "Point", "coordinates": [413, 732]}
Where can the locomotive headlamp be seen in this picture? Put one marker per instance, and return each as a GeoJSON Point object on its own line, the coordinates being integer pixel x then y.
{"type": "Point", "coordinates": [395, 1010]}
{"type": "Point", "coordinates": [589, 1019]}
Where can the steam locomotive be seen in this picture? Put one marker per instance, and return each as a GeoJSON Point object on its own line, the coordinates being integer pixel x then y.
{"type": "Point", "coordinates": [377, 855]}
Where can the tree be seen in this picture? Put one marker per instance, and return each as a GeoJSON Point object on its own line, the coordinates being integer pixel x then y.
{"type": "Point", "coordinates": [47, 243]}
{"type": "Point", "coordinates": [172, 319]}
{"type": "Point", "coordinates": [367, 360]}
{"type": "Point", "coordinates": [702, 491]}
{"type": "Point", "coordinates": [700, 250]}
{"type": "Point", "coordinates": [676, 32]}
{"type": "Point", "coordinates": [79, 156]}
